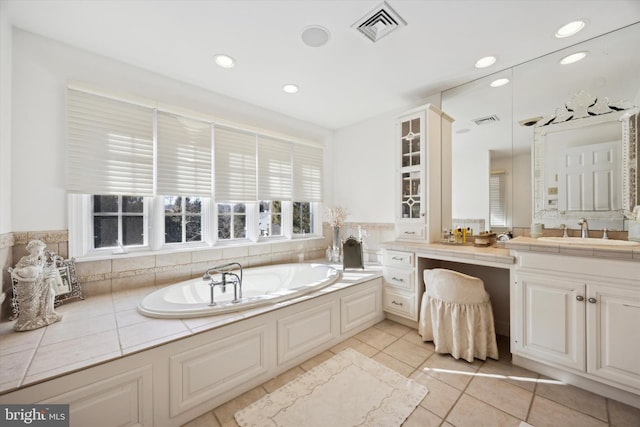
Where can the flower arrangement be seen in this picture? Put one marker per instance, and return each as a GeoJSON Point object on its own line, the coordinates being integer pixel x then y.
{"type": "Point", "coordinates": [337, 215]}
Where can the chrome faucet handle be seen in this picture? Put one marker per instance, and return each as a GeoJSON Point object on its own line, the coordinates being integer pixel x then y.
{"type": "Point", "coordinates": [565, 232]}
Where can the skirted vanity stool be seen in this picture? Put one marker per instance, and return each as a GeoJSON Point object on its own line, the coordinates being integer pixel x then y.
{"type": "Point", "coordinates": [456, 315]}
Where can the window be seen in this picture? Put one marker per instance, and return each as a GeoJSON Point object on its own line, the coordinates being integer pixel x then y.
{"type": "Point", "coordinates": [118, 220]}
{"type": "Point", "coordinates": [182, 219]}
{"type": "Point", "coordinates": [270, 218]}
{"type": "Point", "coordinates": [302, 218]}
{"type": "Point", "coordinates": [232, 221]}
{"type": "Point", "coordinates": [142, 176]}
{"type": "Point", "coordinates": [497, 205]}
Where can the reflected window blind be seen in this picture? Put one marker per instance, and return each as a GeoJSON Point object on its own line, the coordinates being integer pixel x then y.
{"type": "Point", "coordinates": [497, 207]}
{"type": "Point", "coordinates": [235, 165]}
{"type": "Point", "coordinates": [110, 146]}
{"type": "Point", "coordinates": [184, 166]}
{"type": "Point", "coordinates": [274, 169]}
{"type": "Point", "coordinates": [307, 173]}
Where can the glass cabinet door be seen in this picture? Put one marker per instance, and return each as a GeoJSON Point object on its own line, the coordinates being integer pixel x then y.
{"type": "Point", "coordinates": [411, 194]}
{"type": "Point", "coordinates": [410, 142]}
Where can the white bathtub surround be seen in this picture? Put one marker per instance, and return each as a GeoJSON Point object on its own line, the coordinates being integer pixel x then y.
{"type": "Point", "coordinates": [376, 395]}
{"type": "Point", "coordinates": [111, 363]}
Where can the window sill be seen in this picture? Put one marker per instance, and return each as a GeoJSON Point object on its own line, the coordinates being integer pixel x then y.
{"type": "Point", "coordinates": [196, 248]}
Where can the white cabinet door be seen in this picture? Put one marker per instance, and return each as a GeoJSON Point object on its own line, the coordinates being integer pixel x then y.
{"type": "Point", "coordinates": [359, 309]}
{"type": "Point", "coordinates": [613, 334]}
{"type": "Point", "coordinates": [553, 313]}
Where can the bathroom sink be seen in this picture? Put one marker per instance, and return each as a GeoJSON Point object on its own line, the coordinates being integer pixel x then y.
{"type": "Point", "coordinates": [591, 241]}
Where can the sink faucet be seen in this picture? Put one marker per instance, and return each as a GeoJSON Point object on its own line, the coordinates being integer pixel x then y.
{"type": "Point", "coordinates": [584, 228]}
{"type": "Point", "coordinates": [227, 276]}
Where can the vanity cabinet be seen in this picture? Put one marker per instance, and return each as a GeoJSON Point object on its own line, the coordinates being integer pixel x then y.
{"type": "Point", "coordinates": [580, 314]}
{"type": "Point", "coordinates": [400, 295]}
{"type": "Point", "coordinates": [423, 174]}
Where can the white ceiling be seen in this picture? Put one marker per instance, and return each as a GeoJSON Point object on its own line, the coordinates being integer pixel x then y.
{"type": "Point", "coordinates": [347, 80]}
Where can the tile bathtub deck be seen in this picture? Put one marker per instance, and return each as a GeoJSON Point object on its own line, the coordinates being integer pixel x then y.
{"type": "Point", "coordinates": [106, 327]}
{"type": "Point", "coordinates": [461, 394]}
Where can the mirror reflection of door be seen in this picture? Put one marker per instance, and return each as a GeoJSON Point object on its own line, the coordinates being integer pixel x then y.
{"type": "Point", "coordinates": [588, 178]}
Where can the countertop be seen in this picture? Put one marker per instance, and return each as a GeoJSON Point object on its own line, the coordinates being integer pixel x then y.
{"type": "Point", "coordinates": [530, 244]}
{"type": "Point", "coordinates": [463, 253]}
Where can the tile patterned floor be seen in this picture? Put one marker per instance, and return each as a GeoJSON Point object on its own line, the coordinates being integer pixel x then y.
{"type": "Point", "coordinates": [490, 393]}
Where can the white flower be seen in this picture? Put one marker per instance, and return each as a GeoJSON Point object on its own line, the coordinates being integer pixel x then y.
{"type": "Point", "coordinates": [337, 215]}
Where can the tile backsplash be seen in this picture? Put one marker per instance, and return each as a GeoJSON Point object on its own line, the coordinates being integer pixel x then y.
{"type": "Point", "coordinates": [130, 271]}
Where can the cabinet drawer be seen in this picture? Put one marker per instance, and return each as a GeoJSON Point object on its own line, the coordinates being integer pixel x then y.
{"type": "Point", "coordinates": [399, 303]}
{"type": "Point", "coordinates": [398, 278]}
{"type": "Point", "coordinates": [410, 231]}
{"type": "Point", "coordinates": [397, 259]}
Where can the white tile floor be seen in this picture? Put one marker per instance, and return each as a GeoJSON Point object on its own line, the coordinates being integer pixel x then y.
{"type": "Point", "coordinates": [490, 393]}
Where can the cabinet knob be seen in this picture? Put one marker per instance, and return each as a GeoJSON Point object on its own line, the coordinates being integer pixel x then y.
{"type": "Point", "coordinates": [580, 298]}
{"type": "Point", "coordinates": [592, 300]}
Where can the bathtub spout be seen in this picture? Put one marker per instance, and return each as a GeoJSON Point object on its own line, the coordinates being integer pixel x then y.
{"type": "Point", "coordinates": [225, 270]}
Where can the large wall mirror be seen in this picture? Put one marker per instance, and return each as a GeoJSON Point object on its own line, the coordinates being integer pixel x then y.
{"type": "Point", "coordinates": [493, 132]}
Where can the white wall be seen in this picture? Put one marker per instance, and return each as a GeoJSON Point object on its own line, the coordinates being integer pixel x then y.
{"type": "Point", "coordinates": [5, 120]}
{"type": "Point", "coordinates": [364, 166]}
{"type": "Point", "coordinates": [522, 189]}
{"type": "Point", "coordinates": [470, 182]}
{"type": "Point", "coordinates": [41, 70]}
{"type": "Point", "coordinates": [363, 170]}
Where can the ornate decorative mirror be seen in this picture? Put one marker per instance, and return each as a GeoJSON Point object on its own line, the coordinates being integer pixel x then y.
{"type": "Point", "coordinates": [585, 163]}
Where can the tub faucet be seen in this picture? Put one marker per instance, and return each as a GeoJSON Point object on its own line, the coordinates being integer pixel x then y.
{"type": "Point", "coordinates": [584, 228]}
{"type": "Point", "coordinates": [226, 272]}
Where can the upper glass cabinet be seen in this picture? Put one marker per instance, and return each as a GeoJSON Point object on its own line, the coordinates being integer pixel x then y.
{"type": "Point", "coordinates": [423, 138]}
{"type": "Point", "coordinates": [410, 142]}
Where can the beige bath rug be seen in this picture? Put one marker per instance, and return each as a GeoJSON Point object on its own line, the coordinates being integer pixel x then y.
{"type": "Point", "coordinates": [347, 390]}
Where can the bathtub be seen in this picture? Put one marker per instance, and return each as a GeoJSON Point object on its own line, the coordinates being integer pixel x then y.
{"type": "Point", "coordinates": [260, 286]}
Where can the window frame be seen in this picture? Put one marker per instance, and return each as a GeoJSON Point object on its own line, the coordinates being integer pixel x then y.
{"type": "Point", "coordinates": [183, 223]}
{"type": "Point", "coordinates": [80, 207]}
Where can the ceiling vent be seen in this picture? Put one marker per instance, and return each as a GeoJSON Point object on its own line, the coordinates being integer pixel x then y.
{"type": "Point", "coordinates": [486, 120]}
{"type": "Point", "coordinates": [381, 21]}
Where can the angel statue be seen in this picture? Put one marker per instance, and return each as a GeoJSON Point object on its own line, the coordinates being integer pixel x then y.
{"type": "Point", "coordinates": [34, 277]}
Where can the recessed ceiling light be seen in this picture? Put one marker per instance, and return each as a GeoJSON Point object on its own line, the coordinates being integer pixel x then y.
{"type": "Point", "coordinates": [574, 57]}
{"type": "Point", "coordinates": [224, 61]}
{"type": "Point", "coordinates": [315, 36]}
{"type": "Point", "coordinates": [499, 82]}
{"type": "Point", "coordinates": [290, 88]}
{"type": "Point", "coordinates": [485, 62]}
{"type": "Point", "coordinates": [570, 29]}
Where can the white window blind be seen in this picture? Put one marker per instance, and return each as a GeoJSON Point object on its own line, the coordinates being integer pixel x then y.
{"type": "Point", "coordinates": [274, 169]}
{"type": "Point", "coordinates": [184, 166]}
{"type": "Point", "coordinates": [110, 146]}
{"type": "Point", "coordinates": [235, 165]}
{"type": "Point", "coordinates": [307, 173]}
{"type": "Point", "coordinates": [497, 206]}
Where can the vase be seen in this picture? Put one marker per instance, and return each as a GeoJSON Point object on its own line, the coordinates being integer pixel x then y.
{"type": "Point", "coordinates": [336, 238]}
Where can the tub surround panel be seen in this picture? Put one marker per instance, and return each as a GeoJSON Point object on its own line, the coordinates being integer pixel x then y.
{"type": "Point", "coordinates": [198, 364]}
{"type": "Point", "coordinates": [133, 387]}
{"type": "Point", "coordinates": [107, 326]}
{"type": "Point", "coordinates": [199, 374]}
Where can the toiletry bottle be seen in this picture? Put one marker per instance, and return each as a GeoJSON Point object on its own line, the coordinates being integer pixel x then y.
{"type": "Point", "coordinates": [464, 235]}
